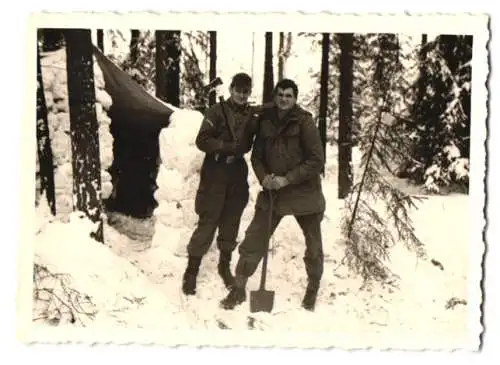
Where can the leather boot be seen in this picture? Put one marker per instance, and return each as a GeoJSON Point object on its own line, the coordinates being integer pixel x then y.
{"type": "Point", "coordinates": [189, 277]}
{"type": "Point", "coordinates": [237, 295]}
{"type": "Point", "coordinates": [309, 301]}
{"type": "Point", "coordinates": [224, 269]}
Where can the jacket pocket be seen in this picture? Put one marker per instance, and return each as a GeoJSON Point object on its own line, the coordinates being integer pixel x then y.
{"type": "Point", "coordinates": [293, 147]}
{"type": "Point", "coordinates": [267, 129]}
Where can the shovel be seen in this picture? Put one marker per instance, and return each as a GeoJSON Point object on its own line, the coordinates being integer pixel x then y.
{"type": "Point", "coordinates": [262, 300]}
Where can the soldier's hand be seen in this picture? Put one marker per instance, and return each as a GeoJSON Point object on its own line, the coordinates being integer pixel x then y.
{"type": "Point", "coordinates": [279, 182]}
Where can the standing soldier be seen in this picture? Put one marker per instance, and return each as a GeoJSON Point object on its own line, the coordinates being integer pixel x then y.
{"type": "Point", "coordinates": [287, 158]}
{"type": "Point", "coordinates": [225, 135]}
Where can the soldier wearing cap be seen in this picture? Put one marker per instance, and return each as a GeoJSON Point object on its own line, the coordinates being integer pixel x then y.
{"type": "Point", "coordinates": [226, 135]}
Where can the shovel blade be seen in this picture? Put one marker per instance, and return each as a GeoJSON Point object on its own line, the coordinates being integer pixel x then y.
{"type": "Point", "coordinates": [261, 301]}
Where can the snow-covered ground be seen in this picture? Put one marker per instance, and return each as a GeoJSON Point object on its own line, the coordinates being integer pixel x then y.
{"type": "Point", "coordinates": [139, 286]}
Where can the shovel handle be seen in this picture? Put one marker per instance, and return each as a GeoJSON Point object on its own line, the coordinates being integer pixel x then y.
{"type": "Point", "coordinates": [269, 225]}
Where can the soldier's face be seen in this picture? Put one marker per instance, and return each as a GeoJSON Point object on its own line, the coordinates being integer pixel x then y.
{"type": "Point", "coordinates": [240, 95]}
{"type": "Point", "coordinates": [285, 99]}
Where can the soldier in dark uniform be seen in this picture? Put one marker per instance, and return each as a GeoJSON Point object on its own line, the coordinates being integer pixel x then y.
{"type": "Point", "coordinates": [287, 158]}
{"type": "Point", "coordinates": [223, 191]}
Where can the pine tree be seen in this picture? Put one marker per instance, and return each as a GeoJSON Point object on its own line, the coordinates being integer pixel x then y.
{"type": "Point", "coordinates": [377, 214]}
{"type": "Point", "coordinates": [345, 115]}
{"type": "Point", "coordinates": [44, 150]}
{"type": "Point", "coordinates": [213, 64]}
{"type": "Point", "coordinates": [439, 125]}
{"type": "Point", "coordinates": [323, 102]}
{"type": "Point", "coordinates": [268, 68]}
{"type": "Point", "coordinates": [84, 126]}
{"type": "Point", "coordinates": [168, 78]}
{"type": "Point", "coordinates": [196, 46]}
{"type": "Point", "coordinates": [100, 39]}
{"type": "Point", "coordinates": [52, 39]}
{"type": "Point", "coordinates": [134, 45]}
{"type": "Point", "coordinates": [284, 49]}
{"type": "Point", "coordinates": [140, 62]}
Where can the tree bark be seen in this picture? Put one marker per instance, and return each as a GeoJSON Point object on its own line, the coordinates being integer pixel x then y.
{"type": "Point", "coordinates": [134, 39]}
{"type": "Point", "coordinates": [267, 94]}
{"type": "Point", "coordinates": [345, 115]}
{"type": "Point", "coordinates": [100, 39]}
{"type": "Point", "coordinates": [44, 149]}
{"type": "Point", "coordinates": [84, 127]}
{"type": "Point", "coordinates": [281, 61]}
{"type": "Point", "coordinates": [168, 74]}
{"type": "Point", "coordinates": [213, 65]}
{"type": "Point", "coordinates": [422, 56]}
{"type": "Point", "coordinates": [53, 39]}
{"type": "Point", "coordinates": [284, 48]}
{"type": "Point", "coordinates": [323, 95]}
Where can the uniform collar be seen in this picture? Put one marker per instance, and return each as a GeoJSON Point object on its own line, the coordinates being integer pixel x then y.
{"type": "Point", "coordinates": [237, 107]}
{"type": "Point", "coordinates": [292, 116]}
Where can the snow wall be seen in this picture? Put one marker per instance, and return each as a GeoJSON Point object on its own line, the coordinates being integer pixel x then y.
{"type": "Point", "coordinates": [55, 83]}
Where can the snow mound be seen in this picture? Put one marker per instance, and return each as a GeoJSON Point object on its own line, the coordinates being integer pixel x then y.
{"type": "Point", "coordinates": [120, 293]}
{"type": "Point", "coordinates": [178, 179]}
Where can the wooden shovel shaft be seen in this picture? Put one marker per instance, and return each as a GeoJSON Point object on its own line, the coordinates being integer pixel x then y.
{"type": "Point", "coordinates": [269, 225]}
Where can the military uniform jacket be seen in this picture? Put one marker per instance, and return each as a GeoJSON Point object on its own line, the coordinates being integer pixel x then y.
{"type": "Point", "coordinates": [292, 148]}
{"type": "Point", "coordinates": [214, 137]}
{"type": "Point", "coordinates": [218, 179]}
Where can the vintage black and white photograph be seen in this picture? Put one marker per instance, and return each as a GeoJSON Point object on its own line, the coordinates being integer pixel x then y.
{"type": "Point", "coordinates": [217, 179]}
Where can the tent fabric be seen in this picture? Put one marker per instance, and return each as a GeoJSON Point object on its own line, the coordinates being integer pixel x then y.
{"type": "Point", "coordinates": [129, 98]}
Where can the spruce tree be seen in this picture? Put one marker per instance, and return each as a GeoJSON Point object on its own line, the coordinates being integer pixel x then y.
{"type": "Point", "coordinates": [440, 121]}
{"type": "Point", "coordinates": [377, 214]}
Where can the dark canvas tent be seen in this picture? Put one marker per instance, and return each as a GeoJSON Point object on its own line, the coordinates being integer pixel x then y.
{"type": "Point", "coordinates": [137, 119]}
{"type": "Point", "coordinates": [129, 97]}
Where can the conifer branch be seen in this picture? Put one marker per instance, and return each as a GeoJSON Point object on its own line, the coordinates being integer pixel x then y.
{"type": "Point", "coordinates": [379, 217]}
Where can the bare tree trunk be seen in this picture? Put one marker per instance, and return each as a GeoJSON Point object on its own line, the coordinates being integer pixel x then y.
{"type": "Point", "coordinates": [268, 69]}
{"type": "Point", "coordinates": [44, 150]}
{"type": "Point", "coordinates": [422, 56]}
{"type": "Point", "coordinates": [281, 49]}
{"type": "Point", "coordinates": [134, 39]}
{"type": "Point", "coordinates": [168, 74]}
{"type": "Point", "coordinates": [213, 65]}
{"type": "Point", "coordinates": [345, 115]}
{"type": "Point", "coordinates": [100, 39]}
{"type": "Point", "coordinates": [84, 126]}
{"type": "Point", "coordinates": [285, 46]}
{"type": "Point", "coordinates": [323, 96]}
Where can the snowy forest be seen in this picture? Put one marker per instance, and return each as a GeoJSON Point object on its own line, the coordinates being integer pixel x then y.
{"type": "Point", "coordinates": [115, 190]}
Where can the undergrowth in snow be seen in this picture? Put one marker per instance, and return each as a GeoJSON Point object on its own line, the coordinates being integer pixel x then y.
{"type": "Point", "coordinates": [141, 288]}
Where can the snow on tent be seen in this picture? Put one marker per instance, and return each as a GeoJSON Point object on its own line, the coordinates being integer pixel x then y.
{"type": "Point", "coordinates": [149, 159]}
{"type": "Point", "coordinates": [137, 119]}
{"type": "Point", "coordinates": [141, 159]}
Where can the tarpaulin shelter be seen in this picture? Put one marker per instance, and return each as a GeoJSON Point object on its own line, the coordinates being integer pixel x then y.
{"type": "Point", "coordinates": [137, 119]}
{"type": "Point", "coordinates": [130, 98]}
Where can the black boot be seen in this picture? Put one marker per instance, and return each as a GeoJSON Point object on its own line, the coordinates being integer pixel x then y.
{"type": "Point", "coordinates": [189, 277]}
{"type": "Point", "coordinates": [309, 301]}
{"type": "Point", "coordinates": [237, 295]}
{"type": "Point", "coordinates": [225, 270]}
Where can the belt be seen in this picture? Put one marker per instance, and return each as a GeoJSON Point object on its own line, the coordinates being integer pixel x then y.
{"type": "Point", "coordinates": [225, 159]}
